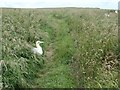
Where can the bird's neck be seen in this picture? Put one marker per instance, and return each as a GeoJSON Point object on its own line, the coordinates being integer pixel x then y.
{"type": "Point", "coordinates": [38, 46]}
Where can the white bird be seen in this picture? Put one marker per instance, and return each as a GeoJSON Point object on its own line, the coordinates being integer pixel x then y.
{"type": "Point", "coordinates": [38, 50]}
{"type": "Point", "coordinates": [116, 11]}
{"type": "Point", "coordinates": [107, 15]}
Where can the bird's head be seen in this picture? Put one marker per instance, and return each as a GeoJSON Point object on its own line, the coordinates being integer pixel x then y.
{"type": "Point", "coordinates": [38, 42]}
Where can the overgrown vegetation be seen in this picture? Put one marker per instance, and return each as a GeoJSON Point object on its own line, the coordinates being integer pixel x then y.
{"type": "Point", "coordinates": [80, 49]}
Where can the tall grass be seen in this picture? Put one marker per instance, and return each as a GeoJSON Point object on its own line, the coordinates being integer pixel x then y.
{"type": "Point", "coordinates": [84, 42]}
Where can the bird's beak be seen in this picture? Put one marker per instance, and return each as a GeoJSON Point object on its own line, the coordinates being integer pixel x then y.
{"type": "Point", "coordinates": [41, 42]}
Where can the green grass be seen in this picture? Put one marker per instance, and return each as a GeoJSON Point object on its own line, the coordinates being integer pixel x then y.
{"type": "Point", "coordinates": [80, 45]}
{"type": "Point", "coordinates": [59, 77]}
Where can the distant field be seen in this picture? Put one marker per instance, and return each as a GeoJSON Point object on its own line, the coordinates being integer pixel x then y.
{"type": "Point", "coordinates": [80, 48]}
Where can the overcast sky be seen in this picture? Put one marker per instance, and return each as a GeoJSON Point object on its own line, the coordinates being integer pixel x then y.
{"type": "Point", "coordinates": [104, 4]}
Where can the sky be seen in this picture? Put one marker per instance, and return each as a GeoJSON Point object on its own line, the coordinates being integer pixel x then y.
{"type": "Point", "coordinates": [103, 4]}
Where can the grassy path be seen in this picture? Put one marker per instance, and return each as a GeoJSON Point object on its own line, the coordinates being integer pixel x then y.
{"type": "Point", "coordinates": [55, 73]}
